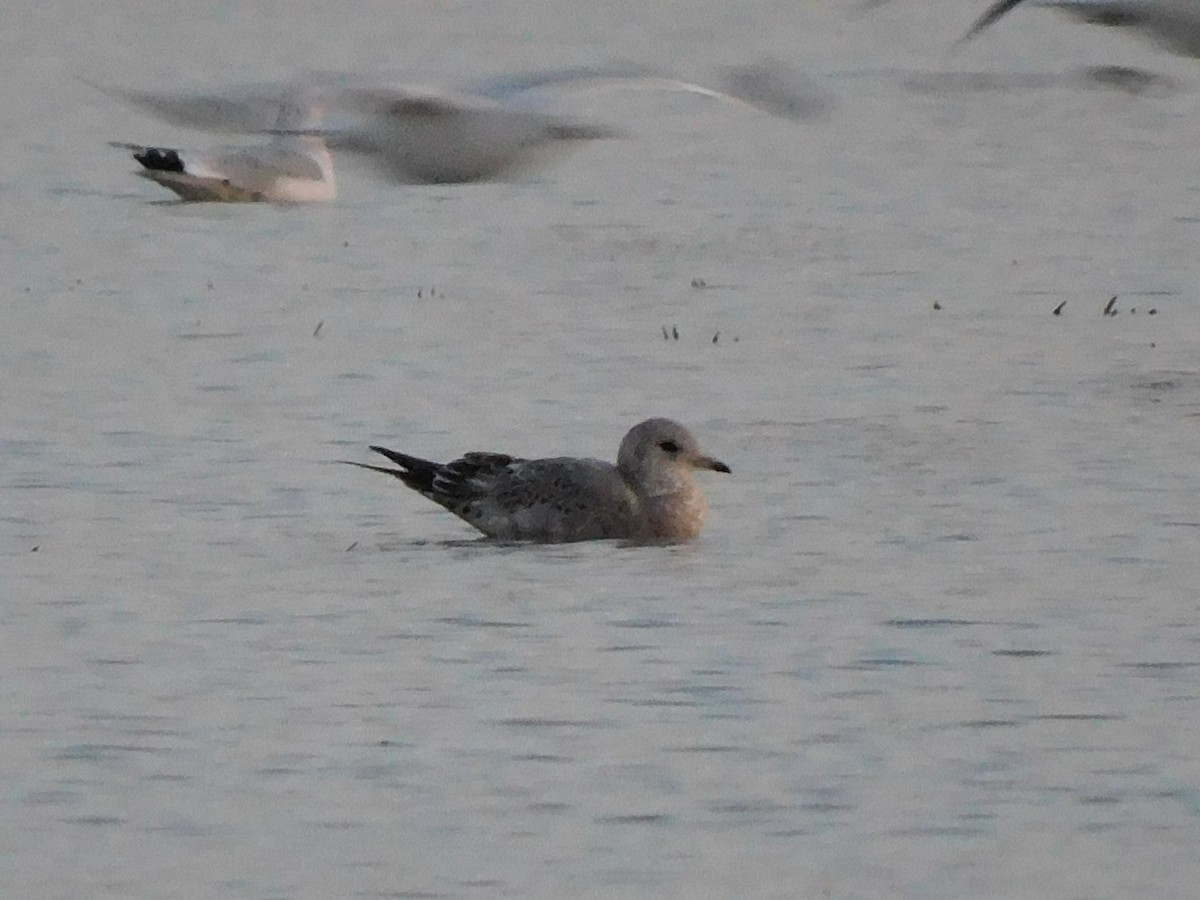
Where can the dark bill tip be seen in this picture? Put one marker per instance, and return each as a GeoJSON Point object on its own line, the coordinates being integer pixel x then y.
{"type": "Point", "coordinates": [715, 464]}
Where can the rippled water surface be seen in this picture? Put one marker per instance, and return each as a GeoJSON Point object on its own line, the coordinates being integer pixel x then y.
{"type": "Point", "coordinates": [939, 638]}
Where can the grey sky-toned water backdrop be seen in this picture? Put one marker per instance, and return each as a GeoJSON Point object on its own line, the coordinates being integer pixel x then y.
{"type": "Point", "coordinates": [939, 638]}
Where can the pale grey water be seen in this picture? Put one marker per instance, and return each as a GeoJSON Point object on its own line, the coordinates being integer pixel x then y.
{"type": "Point", "coordinates": [940, 638]}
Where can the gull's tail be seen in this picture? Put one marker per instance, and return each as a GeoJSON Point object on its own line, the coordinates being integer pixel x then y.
{"type": "Point", "coordinates": [414, 472]}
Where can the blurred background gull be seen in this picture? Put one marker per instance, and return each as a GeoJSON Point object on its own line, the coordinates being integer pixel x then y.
{"type": "Point", "coordinates": [1175, 24]}
{"type": "Point", "coordinates": [494, 129]}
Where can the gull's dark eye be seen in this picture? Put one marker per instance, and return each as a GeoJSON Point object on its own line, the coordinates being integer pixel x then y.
{"type": "Point", "coordinates": [669, 446]}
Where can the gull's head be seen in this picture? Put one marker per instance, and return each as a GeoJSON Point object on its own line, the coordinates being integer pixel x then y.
{"type": "Point", "coordinates": [661, 454]}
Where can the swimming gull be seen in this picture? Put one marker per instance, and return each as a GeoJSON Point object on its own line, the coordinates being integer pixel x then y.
{"type": "Point", "coordinates": [1173, 23]}
{"type": "Point", "coordinates": [649, 495]}
{"type": "Point", "coordinates": [418, 134]}
{"type": "Point", "coordinates": [293, 167]}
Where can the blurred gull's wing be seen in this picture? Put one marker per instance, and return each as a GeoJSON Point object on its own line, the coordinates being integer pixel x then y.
{"type": "Point", "coordinates": [245, 109]}
{"type": "Point", "coordinates": [777, 89]}
{"type": "Point", "coordinates": [425, 135]}
{"type": "Point", "coordinates": [1173, 23]}
{"type": "Point", "coordinates": [422, 135]}
{"type": "Point", "coordinates": [768, 86]}
{"type": "Point", "coordinates": [990, 16]}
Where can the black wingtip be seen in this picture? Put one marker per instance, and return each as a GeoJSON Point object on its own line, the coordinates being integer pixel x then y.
{"type": "Point", "coordinates": [160, 160]}
{"type": "Point", "coordinates": [415, 472]}
{"type": "Point", "coordinates": [400, 459]}
{"type": "Point", "coordinates": [989, 18]}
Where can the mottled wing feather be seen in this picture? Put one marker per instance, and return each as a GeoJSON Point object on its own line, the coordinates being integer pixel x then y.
{"type": "Point", "coordinates": [470, 477]}
{"type": "Point", "coordinates": [541, 499]}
